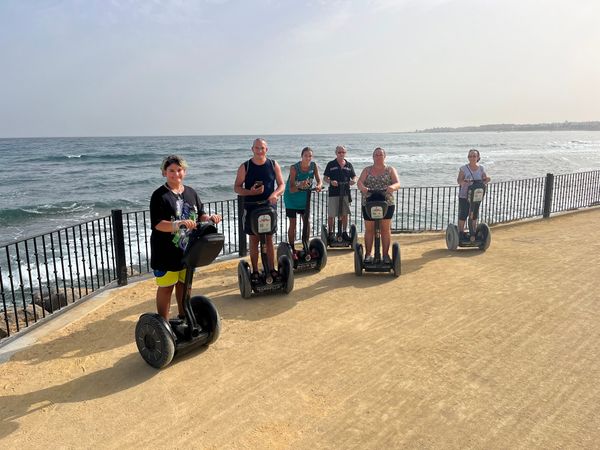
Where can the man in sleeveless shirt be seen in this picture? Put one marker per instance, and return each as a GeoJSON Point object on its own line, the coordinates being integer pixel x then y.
{"type": "Point", "coordinates": [255, 180]}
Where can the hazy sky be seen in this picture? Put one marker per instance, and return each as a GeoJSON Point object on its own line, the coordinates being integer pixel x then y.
{"type": "Point", "coordinates": [171, 67]}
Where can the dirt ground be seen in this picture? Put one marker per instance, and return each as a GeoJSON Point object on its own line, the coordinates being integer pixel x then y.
{"type": "Point", "coordinates": [465, 350]}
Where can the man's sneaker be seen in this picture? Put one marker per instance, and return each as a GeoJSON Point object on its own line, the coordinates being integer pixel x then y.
{"type": "Point", "coordinates": [368, 259]}
{"type": "Point", "coordinates": [387, 260]}
{"type": "Point", "coordinates": [331, 236]}
{"type": "Point", "coordinates": [345, 236]}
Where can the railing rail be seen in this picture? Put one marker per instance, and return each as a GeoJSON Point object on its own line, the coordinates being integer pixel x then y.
{"type": "Point", "coordinates": [45, 273]}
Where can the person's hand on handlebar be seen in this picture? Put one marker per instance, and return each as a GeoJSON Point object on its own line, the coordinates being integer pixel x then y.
{"type": "Point", "coordinates": [272, 199]}
{"type": "Point", "coordinates": [214, 218]}
{"type": "Point", "coordinates": [334, 183]}
{"type": "Point", "coordinates": [319, 187]}
{"type": "Point", "coordinates": [187, 223]}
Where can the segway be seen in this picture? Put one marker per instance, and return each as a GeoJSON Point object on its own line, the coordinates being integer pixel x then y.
{"type": "Point", "coordinates": [263, 221]}
{"type": "Point", "coordinates": [376, 209]}
{"type": "Point", "coordinates": [159, 340]}
{"type": "Point", "coordinates": [338, 240]}
{"type": "Point", "coordinates": [479, 237]}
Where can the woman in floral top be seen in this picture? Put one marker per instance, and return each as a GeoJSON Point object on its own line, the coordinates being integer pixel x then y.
{"type": "Point", "coordinates": [380, 177]}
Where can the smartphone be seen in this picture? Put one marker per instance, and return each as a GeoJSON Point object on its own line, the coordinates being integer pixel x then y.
{"type": "Point", "coordinates": [258, 184]}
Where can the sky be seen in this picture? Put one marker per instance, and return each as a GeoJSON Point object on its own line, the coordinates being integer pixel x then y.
{"type": "Point", "coordinates": [206, 67]}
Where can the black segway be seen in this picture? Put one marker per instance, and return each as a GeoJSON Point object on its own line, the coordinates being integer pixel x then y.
{"type": "Point", "coordinates": [159, 340]}
{"type": "Point", "coordinates": [479, 237]}
{"type": "Point", "coordinates": [263, 221]}
{"type": "Point", "coordinates": [338, 240]}
{"type": "Point", "coordinates": [314, 253]}
{"type": "Point", "coordinates": [376, 209]}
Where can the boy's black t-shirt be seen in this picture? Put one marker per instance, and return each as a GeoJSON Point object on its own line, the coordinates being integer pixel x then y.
{"type": "Point", "coordinates": [167, 248]}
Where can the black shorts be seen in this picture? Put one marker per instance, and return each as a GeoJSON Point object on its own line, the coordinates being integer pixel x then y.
{"type": "Point", "coordinates": [463, 209]}
{"type": "Point", "coordinates": [388, 214]}
{"type": "Point", "coordinates": [292, 213]}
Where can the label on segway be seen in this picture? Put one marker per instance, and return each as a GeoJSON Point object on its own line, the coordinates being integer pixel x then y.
{"type": "Point", "coordinates": [478, 195]}
{"type": "Point", "coordinates": [376, 212]}
{"type": "Point", "coordinates": [264, 224]}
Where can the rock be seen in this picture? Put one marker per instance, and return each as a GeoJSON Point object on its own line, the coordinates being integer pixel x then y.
{"type": "Point", "coordinates": [55, 301]}
{"type": "Point", "coordinates": [12, 322]}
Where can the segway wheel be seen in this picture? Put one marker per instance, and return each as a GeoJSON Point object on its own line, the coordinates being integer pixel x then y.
{"type": "Point", "coordinates": [284, 249]}
{"type": "Point", "coordinates": [244, 279]}
{"type": "Point", "coordinates": [154, 340]}
{"type": "Point", "coordinates": [452, 237]}
{"type": "Point", "coordinates": [207, 317]}
{"type": "Point", "coordinates": [483, 230]}
{"type": "Point", "coordinates": [285, 269]}
{"type": "Point", "coordinates": [353, 235]}
{"type": "Point", "coordinates": [324, 235]}
{"type": "Point", "coordinates": [396, 259]}
{"type": "Point", "coordinates": [318, 246]}
{"type": "Point", "coordinates": [358, 260]}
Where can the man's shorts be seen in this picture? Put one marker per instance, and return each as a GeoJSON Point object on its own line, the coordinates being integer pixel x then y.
{"type": "Point", "coordinates": [463, 209]}
{"type": "Point", "coordinates": [292, 213]}
{"type": "Point", "coordinates": [332, 209]}
{"type": "Point", "coordinates": [166, 279]}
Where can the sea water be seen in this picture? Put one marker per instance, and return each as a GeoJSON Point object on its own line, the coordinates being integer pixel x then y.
{"type": "Point", "coordinates": [49, 183]}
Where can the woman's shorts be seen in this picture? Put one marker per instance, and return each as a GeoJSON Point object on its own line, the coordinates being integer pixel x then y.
{"type": "Point", "coordinates": [166, 279]}
{"type": "Point", "coordinates": [332, 209]}
{"type": "Point", "coordinates": [463, 209]}
{"type": "Point", "coordinates": [388, 214]}
{"type": "Point", "coordinates": [292, 213]}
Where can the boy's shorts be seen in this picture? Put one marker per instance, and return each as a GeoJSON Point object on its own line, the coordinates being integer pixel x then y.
{"type": "Point", "coordinates": [166, 279]}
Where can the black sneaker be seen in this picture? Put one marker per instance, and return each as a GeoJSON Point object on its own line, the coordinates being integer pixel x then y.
{"type": "Point", "coordinates": [345, 236]}
{"type": "Point", "coordinates": [331, 236]}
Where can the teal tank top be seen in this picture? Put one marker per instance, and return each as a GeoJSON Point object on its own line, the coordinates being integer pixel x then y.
{"type": "Point", "coordinates": [297, 200]}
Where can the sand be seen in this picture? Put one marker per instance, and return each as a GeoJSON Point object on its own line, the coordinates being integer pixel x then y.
{"type": "Point", "coordinates": [465, 350]}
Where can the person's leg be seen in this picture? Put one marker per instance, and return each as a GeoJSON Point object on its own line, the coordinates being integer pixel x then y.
{"type": "Point", "coordinates": [179, 293]}
{"type": "Point", "coordinates": [163, 300]}
{"type": "Point", "coordinates": [386, 237]}
{"type": "Point", "coordinates": [292, 231]}
{"type": "Point", "coordinates": [331, 214]}
{"type": "Point", "coordinates": [254, 252]}
{"type": "Point", "coordinates": [369, 235]}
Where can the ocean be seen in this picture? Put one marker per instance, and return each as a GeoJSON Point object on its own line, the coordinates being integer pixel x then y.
{"type": "Point", "coordinates": [49, 183]}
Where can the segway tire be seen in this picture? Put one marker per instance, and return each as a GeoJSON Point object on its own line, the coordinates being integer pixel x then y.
{"type": "Point", "coordinates": [483, 230]}
{"type": "Point", "coordinates": [286, 270]}
{"type": "Point", "coordinates": [396, 267]}
{"type": "Point", "coordinates": [207, 317]}
{"type": "Point", "coordinates": [244, 279]}
{"type": "Point", "coordinates": [358, 260]}
{"type": "Point", "coordinates": [319, 247]}
{"type": "Point", "coordinates": [353, 235]}
{"type": "Point", "coordinates": [452, 237]}
{"type": "Point", "coordinates": [154, 340]}
{"type": "Point", "coordinates": [284, 249]}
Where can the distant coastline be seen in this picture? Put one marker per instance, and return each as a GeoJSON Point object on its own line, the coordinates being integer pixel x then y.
{"type": "Point", "coordinates": [557, 126]}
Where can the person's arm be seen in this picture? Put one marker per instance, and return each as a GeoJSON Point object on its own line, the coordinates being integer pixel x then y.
{"type": "Point", "coordinates": [361, 181]}
{"type": "Point", "coordinates": [352, 180]}
{"type": "Point", "coordinates": [280, 185]}
{"type": "Point", "coordinates": [293, 187]}
{"type": "Point", "coordinates": [395, 181]}
{"type": "Point", "coordinates": [238, 186]}
{"type": "Point", "coordinates": [485, 177]}
{"type": "Point", "coordinates": [461, 178]}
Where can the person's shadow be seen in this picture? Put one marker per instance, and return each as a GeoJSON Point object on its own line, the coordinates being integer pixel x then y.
{"type": "Point", "coordinates": [125, 374]}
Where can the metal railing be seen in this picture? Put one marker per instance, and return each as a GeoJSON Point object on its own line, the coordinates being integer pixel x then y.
{"type": "Point", "coordinates": [45, 273]}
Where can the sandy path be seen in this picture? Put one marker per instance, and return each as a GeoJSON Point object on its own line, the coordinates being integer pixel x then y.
{"type": "Point", "coordinates": [465, 350]}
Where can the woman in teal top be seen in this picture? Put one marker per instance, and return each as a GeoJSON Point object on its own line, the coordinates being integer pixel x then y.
{"type": "Point", "coordinates": [301, 177]}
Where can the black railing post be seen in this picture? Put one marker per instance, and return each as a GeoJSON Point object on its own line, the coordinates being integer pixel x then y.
{"type": "Point", "coordinates": [548, 195]}
{"type": "Point", "coordinates": [242, 247]}
{"type": "Point", "coordinates": [119, 245]}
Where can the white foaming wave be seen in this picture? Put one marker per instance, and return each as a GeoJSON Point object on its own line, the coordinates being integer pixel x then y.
{"type": "Point", "coordinates": [73, 156]}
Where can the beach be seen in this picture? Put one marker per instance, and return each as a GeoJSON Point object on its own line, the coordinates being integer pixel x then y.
{"type": "Point", "coordinates": [464, 350]}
